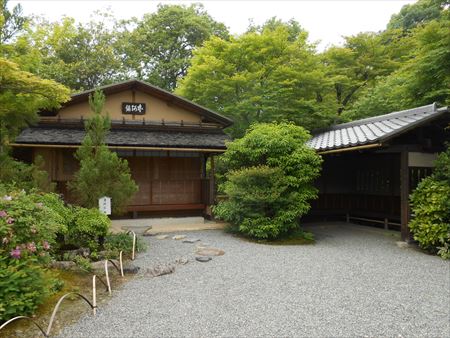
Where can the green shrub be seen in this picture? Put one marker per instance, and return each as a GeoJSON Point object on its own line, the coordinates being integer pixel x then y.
{"type": "Point", "coordinates": [267, 178]}
{"type": "Point", "coordinates": [83, 263]}
{"type": "Point", "coordinates": [87, 228]}
{"type": "Point", "coordinates": [114, 243]}
{"type": "Point", "coordinates": [23, 175]}
{"type": "Point", "coordinates": [430, 225]}
{"type": "Point", "coordinates": [430, 205]}
{"type": "Point", "coordinates": [23, 286]}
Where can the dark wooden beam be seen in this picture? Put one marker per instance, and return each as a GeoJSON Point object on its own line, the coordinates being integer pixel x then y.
{"type": "Point", "coordinates": [404, 197]}
{"type": "Point", "coordinates": [212, 181]}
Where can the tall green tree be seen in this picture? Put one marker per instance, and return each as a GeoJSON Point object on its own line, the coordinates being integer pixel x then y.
{"type": "Point", "coordinates": [160, 48]}
{"type": "Point", "coordinates": [261, 76]}
{"type": "Point", "coordinates": [423, 79]}
{"type": "Point", "coordinates": [22, 95]}
{"type": "Point", "coordinates": [419, 13]}
{"type": "Point", "coordinates": [102, 172]}
{"type": "Point", "coordinates": [11, 21]}
{"type": "Point", "coordinates": [80, 56]}
{"type": "Point", "coordinates": [356, 66]}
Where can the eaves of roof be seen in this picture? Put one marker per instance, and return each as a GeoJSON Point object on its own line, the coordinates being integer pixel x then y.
{"type": "Point", "coordinates": [373, 131]}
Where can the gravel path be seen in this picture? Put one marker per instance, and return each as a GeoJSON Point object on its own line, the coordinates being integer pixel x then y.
{"type": "Point", "coordinates": [354, 282]}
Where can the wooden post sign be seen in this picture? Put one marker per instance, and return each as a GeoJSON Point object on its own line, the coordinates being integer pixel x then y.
{"type": "Point", "coordinates": [104, 204]}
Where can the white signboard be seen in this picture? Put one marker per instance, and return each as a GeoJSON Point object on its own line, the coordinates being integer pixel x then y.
{"type": "Point", "coordinates": [104, 204]}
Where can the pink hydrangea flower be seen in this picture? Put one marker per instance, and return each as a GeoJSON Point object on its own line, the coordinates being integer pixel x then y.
{"type": "Point", "coordinates": [15, 253]}
{"type": "Point", "coordinates": [3, 213]}
{"type": "Point", "coordinates": [45, 245]}
{"type": "Point", "coordinates": [31, 247]}
{"type": "Point", "coordinates": [10, 220]}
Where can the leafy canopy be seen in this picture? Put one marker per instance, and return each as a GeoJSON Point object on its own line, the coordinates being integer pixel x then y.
{"type": "Point", "coordinates": [268, 180]}
{"type": "Point", "coordinates": [262, 76]}
{"type": "Point", "coordinates": [102, 172]}
{"type": "Point", "coordinates": [161, 46]}
{"type": "Point", "coordinates": [22, 95]}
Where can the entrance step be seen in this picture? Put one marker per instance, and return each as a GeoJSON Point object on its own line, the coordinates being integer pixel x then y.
{"type": "Point", "coordinates": [163, 225]}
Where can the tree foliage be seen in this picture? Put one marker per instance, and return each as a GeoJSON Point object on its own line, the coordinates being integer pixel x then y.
{"type": "Point", "coordinates": [261, 76]}
{"type": "Point", "coordinates": [102, 172]}
{"type": "Point", "coordinates": [268, 180]}
{"type": "Point", "coordinates": [416, 14]}
{"type": "Point", "coordinates": [22, 95]}
{"type": "Point", "coordinates": [424, 78]}
{"type": "Point", "coordinates": [11, 21]}
{"type": "Point", "coordinates": [161, 46]}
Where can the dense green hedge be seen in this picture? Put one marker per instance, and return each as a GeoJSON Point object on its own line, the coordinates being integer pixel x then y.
{"type": "Point", "coordinates": [430, 205]}
{"type": "Point", "coordinates": [267, 178]}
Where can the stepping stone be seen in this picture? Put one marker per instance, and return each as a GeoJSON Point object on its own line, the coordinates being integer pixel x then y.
{"type": "Point", "coordinates": [191, 240]}
{"type": "Point", "coordinates": [182, 261]}
{"type": "Point", "coordinates": [162, 236]}
{"type": "Point", "coordinates": [178, 237]}
{"type": "Point", "coordinates": [160, 270]}
{"type": "Point", "coordinates": [203, 259]}
{"type": "Point", "coordinates": [209, 251]}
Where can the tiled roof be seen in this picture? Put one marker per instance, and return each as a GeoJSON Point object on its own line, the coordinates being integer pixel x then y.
{"type": "Point", "coordinates": [374, 129]}
{"type": "Point", "coordinates": [129, 138]}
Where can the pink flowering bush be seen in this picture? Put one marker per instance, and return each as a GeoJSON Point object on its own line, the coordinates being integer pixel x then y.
{"type": "Point", "coordinates": [29, 225]}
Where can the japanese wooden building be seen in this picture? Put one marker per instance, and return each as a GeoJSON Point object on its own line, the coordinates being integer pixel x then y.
{"type": "Point", "coordinates": [372, 165]}
{"type": "Point", "coordinates": [166, 140]}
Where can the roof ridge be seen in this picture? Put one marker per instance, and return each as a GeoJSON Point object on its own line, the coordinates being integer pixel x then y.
{"type": "Point", "coordinates": [428, 108]}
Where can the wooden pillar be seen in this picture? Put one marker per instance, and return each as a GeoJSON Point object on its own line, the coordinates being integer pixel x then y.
{"type": "Point", "coordinates": [404, 196]}
{"type": "Point", "coordinates": [212, 196]}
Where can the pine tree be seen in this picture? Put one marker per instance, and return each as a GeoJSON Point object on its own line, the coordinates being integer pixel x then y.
{"type": "Point", "coordinates": [102, 172]}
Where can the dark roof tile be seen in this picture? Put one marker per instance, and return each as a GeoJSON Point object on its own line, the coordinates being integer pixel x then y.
{"type": "Point", "coordinates": [373, 129]}
{"type": "Point", "coordinates": [130, 138]}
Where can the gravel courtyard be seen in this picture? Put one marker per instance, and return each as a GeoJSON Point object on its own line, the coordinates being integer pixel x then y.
{"type": "Point", "coordinates": [355, 281]}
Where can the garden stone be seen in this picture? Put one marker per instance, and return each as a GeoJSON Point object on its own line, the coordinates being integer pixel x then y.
{"type": "Point", "coordinates": [63, 265]}
{"type": "Point", "coordinates": [162, 236]}
{"type": "Point", "coordinates": [203, 259]}
{"type": "Point", "coordinates": [209, 251]}
{"type": "Point", "coordinates": [147, 231]}
{"type": "Point", "coordinates": [178, 237]}
{"type": "Point", "coordinates": [131, 269]}
{"type": "Point", "coordinates": [160, 270]}
{"type": "Point", "coordinates": [191, 240]}
{"type": "Point", "coordinates": [182, 261]}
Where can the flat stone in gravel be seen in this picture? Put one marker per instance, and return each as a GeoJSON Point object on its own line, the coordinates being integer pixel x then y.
{"type": "Point", "coordinates": [179, 237]}
{"type": "Point", "coordinates": [203, 259]}
{"type": "Point", "coordinates": [191, 240]}
{"type": "Point", "coordinates": [209, 251]}
{"type": "Point", "coordinates": [354, 282]}
{"type": "Point", "coordinates": [161, 236]}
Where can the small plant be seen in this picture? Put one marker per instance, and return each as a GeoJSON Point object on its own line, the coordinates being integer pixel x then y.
{"type": "Point", "coordinates": [87, 228]}
{"type": "Point", "coordinates": [114, 243]}
{"type": "Point", "coordinates": [83, 263]}
{"type": "Point", "coordinates": [23, 286]}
